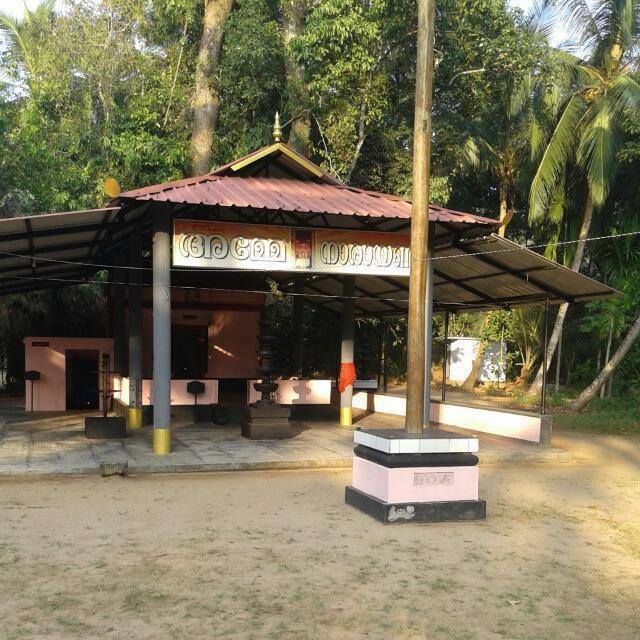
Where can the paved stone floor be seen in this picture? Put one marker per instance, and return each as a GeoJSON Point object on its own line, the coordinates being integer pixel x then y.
{"type": "Point", "coordinates": [55, 444]}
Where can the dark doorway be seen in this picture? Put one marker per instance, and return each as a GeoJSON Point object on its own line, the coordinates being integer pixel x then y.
{"type": "Point", "coordinates": [82, 379]}
{"type": "Point", "coordinates": [232, 391]}
{"type": "Point", "coordinates": [189, 351]}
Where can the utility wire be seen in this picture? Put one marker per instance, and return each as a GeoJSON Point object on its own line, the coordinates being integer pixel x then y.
{"type": "Point", "coordinates": [235, 270]}
{"type": "Point", "coordinates": [277, 292]}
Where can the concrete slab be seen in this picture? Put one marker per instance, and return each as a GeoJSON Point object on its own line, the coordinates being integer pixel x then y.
{"type": "Point", "coordinates": [57, 446]}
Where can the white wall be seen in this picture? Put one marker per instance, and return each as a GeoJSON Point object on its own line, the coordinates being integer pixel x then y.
{"type": "Point", "coordinates": [523, 426]}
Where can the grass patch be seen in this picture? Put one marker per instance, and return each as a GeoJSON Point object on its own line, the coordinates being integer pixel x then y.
{"type": "Point", "coordinates": [615, 416]}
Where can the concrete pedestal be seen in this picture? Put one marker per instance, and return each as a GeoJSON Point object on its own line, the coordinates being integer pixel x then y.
{"type": "Point", "coordinates": [430, 477]}
{"type": "Point", "coordinates": [266, 421]}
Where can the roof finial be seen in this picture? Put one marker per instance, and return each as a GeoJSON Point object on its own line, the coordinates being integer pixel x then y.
{"type": "Point", "coordinates": [277, 131]}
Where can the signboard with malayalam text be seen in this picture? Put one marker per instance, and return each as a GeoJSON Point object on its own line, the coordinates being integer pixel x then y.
{"type": "Point", "coordinates": [225, 245]}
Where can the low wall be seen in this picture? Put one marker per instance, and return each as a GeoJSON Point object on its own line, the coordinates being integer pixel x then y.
{"type": "Point", "coordinates": [511, 424]}
{"type": "Point", "coordinates": [179, 394]}
{"type": "Point", "coordinates": [296, 392]}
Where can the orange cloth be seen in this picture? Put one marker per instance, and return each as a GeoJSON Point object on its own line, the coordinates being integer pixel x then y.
{"type": "Point", "coordinates": [347, 375]}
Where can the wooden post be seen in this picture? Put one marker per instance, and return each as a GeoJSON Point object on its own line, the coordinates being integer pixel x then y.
{"type": "Point", "coordinates": [420, 219]}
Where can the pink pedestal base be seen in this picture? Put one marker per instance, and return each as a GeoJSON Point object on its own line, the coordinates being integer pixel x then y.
{"type": "Point", "coordinates": [415, 484]}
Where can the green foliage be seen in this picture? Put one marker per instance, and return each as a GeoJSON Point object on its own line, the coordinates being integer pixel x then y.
{"type": "Point", "coordinates": [251, 79]}
{"type": "Point", "coordinates": [96, 89]}
{"type": "Point", "coordinates": [599, 93]}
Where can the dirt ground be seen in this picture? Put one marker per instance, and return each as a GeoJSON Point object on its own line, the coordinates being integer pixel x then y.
{"type": "Point", "coordinates": [279, 555]}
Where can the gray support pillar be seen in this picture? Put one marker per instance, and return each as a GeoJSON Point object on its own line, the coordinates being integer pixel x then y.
{"type": "Point", "coordinates": [117, 320]}
{"type": "Point", "coordinates": [445, 359]}
{"type": "Point", "coordinates": [161, 333]}
{"type": "Point", "coordinates": [428, 338]}
{"type": "Point", "coordinates": [135, 333]}
{"type": "Point", "coordinates": [298, 329]}
{"type": "Point", "coordinates": [347, 367]}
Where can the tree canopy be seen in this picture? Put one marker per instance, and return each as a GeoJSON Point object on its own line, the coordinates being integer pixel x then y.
{"type": "Point", "coordinates": [521, 130]}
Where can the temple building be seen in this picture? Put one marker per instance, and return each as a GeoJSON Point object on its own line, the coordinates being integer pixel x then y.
{"type": "Point", "coordinates": [191, 262]}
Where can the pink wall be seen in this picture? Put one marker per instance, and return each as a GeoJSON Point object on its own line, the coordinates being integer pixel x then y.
{"type": "Point", "coordinates": [49, 393]}
{"type": "Point", "coordinates": [233, 343]}
{"type": "Point", "coordinates": [233, 340]}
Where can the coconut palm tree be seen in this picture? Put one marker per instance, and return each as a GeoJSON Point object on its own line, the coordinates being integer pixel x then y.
{"type": "Point", "coordinates": [14, 33]}
{"type": "Point", "coordinates": [600, 91]}
{"type": "Point", "coordinates": [513, 133]}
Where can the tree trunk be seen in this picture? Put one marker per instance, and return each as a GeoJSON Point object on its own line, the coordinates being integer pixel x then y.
{"type": "Point", "coordinates": [608, 352]}
{"type": "Point", "coordinates": [591, 391]}
{"type": "Point", "coordinates": [536, 385]}
{"type": "Point", "coordinates": [206, 99]}
{"type": "Point", "coordinates": [472, 378]}
{"type": "Point", "coordinates": [558, 362]}
{"type": "Point", "coordinates": [362, 120]}
{"type": "Point", "coordinates": [293, 16]}
{"type": "Point", "coordinates": [503, 207]}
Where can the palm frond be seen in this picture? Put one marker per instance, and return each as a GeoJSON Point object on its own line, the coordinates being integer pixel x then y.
{"type": "Point", "coordinates": [557, 206]}
{"type": "Point", "coordinates": [576, 16]}
{"type": "Point", "coordinates": [10, 29]}
{"type": "Point", "coordinates": [520, 95]}
{"type": "Point", "coordinates": [552, 99]}
{"type": "Point", "coordinates": [597, 150]}
{"type": "Point", "coordinates": [617, 21]}
{"type": "Point", "coordinates": [554, 160]}
{"type": "Point", "coordinates": [539, 20]}
{"type": "Point", "coordinates": [537, 138]}
{"type": "Point", "coordinates": [477, 151]}
{"type": "Point", "coordinates": [471, 153]}
{"type": "Point", "coordinates": [622, 97]}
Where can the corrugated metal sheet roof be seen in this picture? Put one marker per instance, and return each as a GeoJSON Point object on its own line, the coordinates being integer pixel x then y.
{"type": "Point", "coordinates": [292, 195]}
{"type": "Point", "coordinates": [476, 274]}
{"type": "Point", "coordinates": [36, 249]}
{"type": "Point", "coordinates": [38, 252]}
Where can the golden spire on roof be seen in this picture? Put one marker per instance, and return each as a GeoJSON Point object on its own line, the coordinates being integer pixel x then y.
{"type": "Point", "coordinates": [277, 130]}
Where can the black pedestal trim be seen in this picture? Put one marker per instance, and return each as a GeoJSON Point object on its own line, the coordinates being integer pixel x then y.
{"type": "Point", "coordinates": [395, 460]}
{"type": "Point", "coordinates": [459, 510]}
{"type": "Point", "coordinates": [266, 420]}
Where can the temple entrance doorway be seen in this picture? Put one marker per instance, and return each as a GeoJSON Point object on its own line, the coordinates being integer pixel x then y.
{"type": "Point", "coordinates": [189, 352]}
{"type": "Point", "coordinates": [82, 379]}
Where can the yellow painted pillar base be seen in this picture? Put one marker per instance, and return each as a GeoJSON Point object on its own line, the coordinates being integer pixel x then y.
{"type": "Point", "coordinates": [162, 441]}
{"type": "Point", "coordinates": [346, 419]}
{"type": "Point", "coordinates": [135, 418]}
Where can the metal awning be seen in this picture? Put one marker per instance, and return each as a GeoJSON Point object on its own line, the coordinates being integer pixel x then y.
{"type": "Point", "coordinates": [475, 274]}
{"type": "Point", "coordinates": [40, 252]}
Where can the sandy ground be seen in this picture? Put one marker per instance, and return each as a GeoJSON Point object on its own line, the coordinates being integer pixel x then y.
{"type": "Point", "coordinates": [279, 555]}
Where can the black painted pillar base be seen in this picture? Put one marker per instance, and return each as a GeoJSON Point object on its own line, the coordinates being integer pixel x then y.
{"type": "Point", "coordinates": [266, 420]}
{"type": "Point", "coordinates": [452, 511]}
